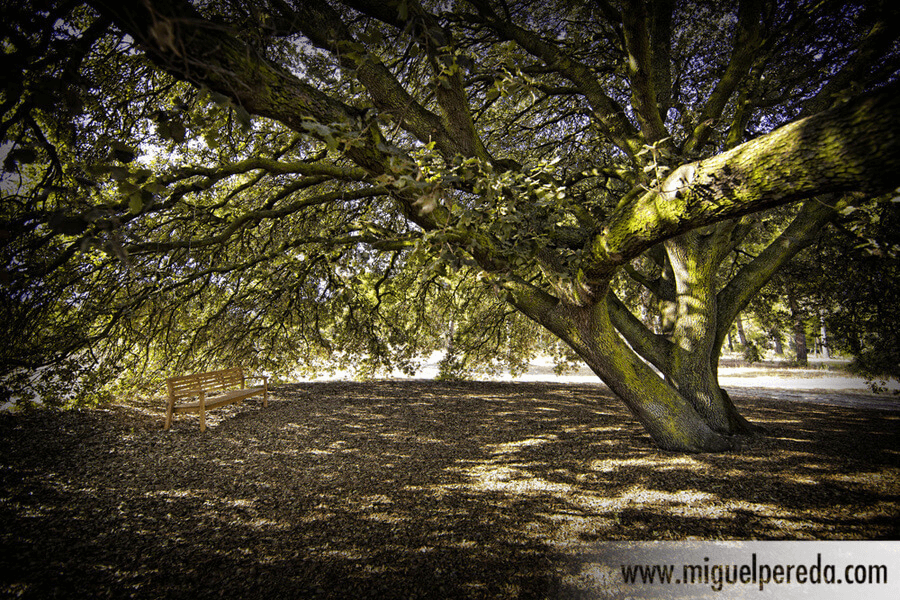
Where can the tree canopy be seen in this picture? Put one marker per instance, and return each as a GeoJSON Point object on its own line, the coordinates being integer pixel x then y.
{"type": "Point", "coordinates": [295, 185]}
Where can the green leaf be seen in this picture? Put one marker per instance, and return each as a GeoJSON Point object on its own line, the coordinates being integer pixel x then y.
{"type": "Point", "coordinates": [154, 188]}
{"type": "Point", "coordinates": [96, 170]}
{"type": "Point", "coordinates": [212, 141]}
{"type": "Point", "coordinates": [317, 128]}
{"type": "Point", "coordinates": [118, 173]}
{"type": "Point", "coordinates": [84, 181]}
{"type": "Point", "coordinates": [135, 203]}
{"type": "Point", "coordinates": [373, 36]}
{"type": "Point", "coordinates": [25, 156]}
{"type": "Point", "coordinates": [141, 175]}
{"type": "Point", "coordinates": [122, 152]}
{"type": "Point", "coordinates": [171, 130]}
{"type": "Point", "coordinates": [243, 117]}
{"type": "Point", "coordinates": [177, 132]}
{"type": "Point", "coordinates": [217, 98]}
{"type": "Point", "coordinates": [126, 188]}
{"type": "Point", "coordinates": [465, 62]}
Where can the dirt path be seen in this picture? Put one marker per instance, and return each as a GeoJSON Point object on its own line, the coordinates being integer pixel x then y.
{"type": "Point", "coordinates": [791, 385]}
{"type": "Point", "coordinates": [831, 397]}
{"type": "Point", "coordinates": [817, 386]}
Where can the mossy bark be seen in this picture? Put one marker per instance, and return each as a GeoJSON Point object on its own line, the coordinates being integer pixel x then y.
{"type": "Point", "coordinates": [667, 415]}
{"type": "Point", "coordinates": [854, 147]}
{"type": "Point", "coordinates": [693, 369]}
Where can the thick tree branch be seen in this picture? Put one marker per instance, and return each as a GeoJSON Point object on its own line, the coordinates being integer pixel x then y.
{"type": "Point", "coordinates": [853, 147]}
{"type": "Point", "coordinates": [655, 348]}
{"type": "Point", "coordinates": [272, 166]}
{"type": "Point", "coordinates": [449, 89]}
{"type": "Point", "coordinates": [204, 53]}
{"type": "Point", "coordinates": [660, 53]}
{"type": "Point", "coordinates": [641, 71]}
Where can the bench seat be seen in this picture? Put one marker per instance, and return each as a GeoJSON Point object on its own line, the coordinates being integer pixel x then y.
{"type": "Point", "coordinates": [220, 400]}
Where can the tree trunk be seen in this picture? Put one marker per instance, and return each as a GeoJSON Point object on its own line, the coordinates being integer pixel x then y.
{"type": "Point", "coordinates": [668, 416]}
{"type": "Point", "coordinates": [823, 333]}
{"type": "Point", "coordinates": [854, 342]}
{"type": "Point", "coordinates": [742, 339]}
{"type": "Point", "coordinates": [776, 337]}
{"type": "Point", "coordinates": [695, 326]}
{"type": "Point", "coordinates": [671, 420]}
{"type": "Point", "coordinates": [683, 410]}
{"type": "Point", "coordinates": [799, 330]}
{"type": "Point", "coordinates": [695, 257]}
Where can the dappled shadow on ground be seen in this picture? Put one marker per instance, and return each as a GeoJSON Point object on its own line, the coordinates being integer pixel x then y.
{"type": "Point", "coordinates": [410, 489]}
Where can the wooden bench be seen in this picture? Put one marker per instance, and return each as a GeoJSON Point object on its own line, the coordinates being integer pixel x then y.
{"type": "Point", "coordinates": [200, 392]}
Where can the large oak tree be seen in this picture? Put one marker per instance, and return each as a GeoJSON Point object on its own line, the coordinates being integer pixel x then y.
{"type": "Point", "coordinates": [280, 181]}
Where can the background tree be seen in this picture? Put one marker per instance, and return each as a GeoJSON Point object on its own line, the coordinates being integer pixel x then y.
{"type": "Point", "coordinates": [291, 182]}
{"type": "Point", "coordinates": [861, 273]}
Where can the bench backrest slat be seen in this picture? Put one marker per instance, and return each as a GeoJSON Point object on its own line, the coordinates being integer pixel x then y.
{"type": "Point", "coordinates": [212, 381]}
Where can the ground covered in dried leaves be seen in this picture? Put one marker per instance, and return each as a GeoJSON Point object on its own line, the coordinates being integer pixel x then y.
{"type": "Point", "coordinates": [409, 489]}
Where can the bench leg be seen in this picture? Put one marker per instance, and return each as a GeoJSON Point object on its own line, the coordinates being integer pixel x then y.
{"type": "Point", "coordinates": [169, 409]}
{"type": "Point", "coordinates": [202, 411]}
